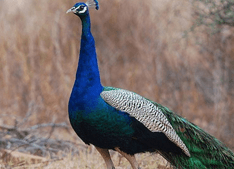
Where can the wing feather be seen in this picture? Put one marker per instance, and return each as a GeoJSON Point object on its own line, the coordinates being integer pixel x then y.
{"type": "Point", "coordinates": [144, 111]}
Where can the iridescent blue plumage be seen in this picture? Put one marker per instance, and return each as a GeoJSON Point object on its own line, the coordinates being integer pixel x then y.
{"type": "Point", "coordinates": [111, 118]}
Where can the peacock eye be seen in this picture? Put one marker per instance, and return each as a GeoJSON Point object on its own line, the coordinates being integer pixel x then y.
{"type": "Point", "coordinates": [81, 7]}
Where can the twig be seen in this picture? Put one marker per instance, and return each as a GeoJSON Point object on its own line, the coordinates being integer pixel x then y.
{"type": "Point", "coordinates": [62, 125]}
{"type": "Point", "coordinates": [31, 109]}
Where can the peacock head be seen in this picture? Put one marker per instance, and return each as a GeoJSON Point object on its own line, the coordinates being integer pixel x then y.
{"type": "Point", "coordinates": [81, 9]}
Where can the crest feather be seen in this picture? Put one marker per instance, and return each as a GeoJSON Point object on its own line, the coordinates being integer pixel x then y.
{"type": "Point", "coordinates": [93, 3]}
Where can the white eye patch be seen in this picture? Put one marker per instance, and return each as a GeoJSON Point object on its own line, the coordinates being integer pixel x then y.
{"type": "Point", "coordinates": [83, 10]}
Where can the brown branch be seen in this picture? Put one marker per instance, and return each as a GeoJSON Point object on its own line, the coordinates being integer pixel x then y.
{"type": "Point", "coordinates": [62, 125]}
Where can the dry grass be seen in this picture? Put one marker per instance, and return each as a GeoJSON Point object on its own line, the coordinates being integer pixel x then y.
{"type": "Point", "coordinates": [91, 159]}
{"type": "Point", "coordinates": [140, 47]}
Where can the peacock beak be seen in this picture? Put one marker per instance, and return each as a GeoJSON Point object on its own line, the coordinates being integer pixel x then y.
{"type": "Point", "coordinates": [70, 10]}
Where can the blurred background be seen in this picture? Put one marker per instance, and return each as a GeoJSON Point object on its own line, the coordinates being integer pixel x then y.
{"type": "Point", "coordinates": [178, 53]}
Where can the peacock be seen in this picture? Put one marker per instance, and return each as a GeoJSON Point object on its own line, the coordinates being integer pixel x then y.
{"type": "Point", "coordinates": [120, 120]}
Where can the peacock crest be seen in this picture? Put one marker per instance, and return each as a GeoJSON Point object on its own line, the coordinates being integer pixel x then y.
{"type": "Point", "coordinates": [93, 3]}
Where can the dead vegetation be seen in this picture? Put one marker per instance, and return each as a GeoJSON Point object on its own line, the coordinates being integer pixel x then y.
{"type": "Point", "coordinates": [21, 145]}
{"type": "Point", "coordinates": [141, 45]}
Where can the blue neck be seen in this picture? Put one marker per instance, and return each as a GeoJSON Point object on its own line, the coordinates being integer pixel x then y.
{"type": "Point", "coordinates": [87, 84]}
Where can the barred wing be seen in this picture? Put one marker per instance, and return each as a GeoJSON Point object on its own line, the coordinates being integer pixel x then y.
{"type": "Point", "coordinates": [145, 112]}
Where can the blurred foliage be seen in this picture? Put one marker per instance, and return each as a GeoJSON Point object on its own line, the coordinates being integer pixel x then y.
{"type": "Point", "coordinates": [140, 47]}
{"type": "Point", "coordinates": [213, 13]}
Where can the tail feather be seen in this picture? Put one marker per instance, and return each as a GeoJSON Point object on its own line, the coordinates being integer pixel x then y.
{"type": "Point", "coordinates": [206, 151]}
